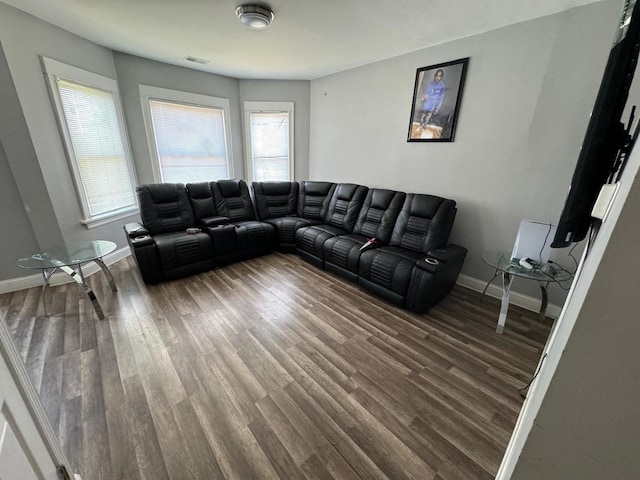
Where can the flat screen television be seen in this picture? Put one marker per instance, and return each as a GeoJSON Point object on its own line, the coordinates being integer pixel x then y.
{"type": "Point", "coordinates": [606, 135]}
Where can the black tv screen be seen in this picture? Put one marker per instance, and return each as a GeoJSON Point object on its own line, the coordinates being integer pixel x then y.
{"type": "Point", "coordinates": [605, 134]}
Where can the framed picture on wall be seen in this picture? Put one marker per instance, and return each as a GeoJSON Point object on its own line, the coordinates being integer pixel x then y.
{"type": "Point", "coordinates": [436, 101]}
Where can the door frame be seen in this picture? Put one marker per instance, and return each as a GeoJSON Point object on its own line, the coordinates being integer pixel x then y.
{"type": "Point", "coordinates": [43, 446]}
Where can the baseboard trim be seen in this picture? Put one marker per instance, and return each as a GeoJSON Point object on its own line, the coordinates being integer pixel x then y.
{"type": "Point", "coordinates": [519, 299]}
{"type": "Point", "coordinates": [59, 278]}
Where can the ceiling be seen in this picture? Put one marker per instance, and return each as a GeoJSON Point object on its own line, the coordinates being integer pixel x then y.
{"type": "Point", "coordinates": [308, 39]}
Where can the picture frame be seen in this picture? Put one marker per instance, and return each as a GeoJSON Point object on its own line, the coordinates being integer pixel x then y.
{"type": "Point", "coordinates": [436, 101]}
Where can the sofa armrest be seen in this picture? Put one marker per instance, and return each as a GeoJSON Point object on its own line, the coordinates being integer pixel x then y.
{"type": "Point", "coordinates": [141, 241]}
{"type": "Point", "coordinates": [213, 221]}
{"type": "Point", "coordinates": [135, 229]}
{"type": "Point", "coordinates": [442, 258]}
{"type": "Point", "coordinates": [433, 277]}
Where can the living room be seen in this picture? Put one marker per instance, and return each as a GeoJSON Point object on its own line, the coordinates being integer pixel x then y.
{"type": "Point", "coordinates": [526, 104]}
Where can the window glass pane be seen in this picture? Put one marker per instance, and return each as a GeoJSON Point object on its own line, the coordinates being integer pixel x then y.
{"type": "Point", "coordinates": [270, 146]}
{"type": "Point", "coordinates": [93, 126]}
{"type": "Point", "coordinates": [190, 141]}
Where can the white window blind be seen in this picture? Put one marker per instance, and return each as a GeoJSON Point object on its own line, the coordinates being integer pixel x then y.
{"type": "Point", "coordinates": [270, 146]}
{"type": "Point", "coordinates": [97, 147]}
{"type": "Point", "coordinates": [269, 133]}
{"type": "Point", "coordinates": [190, 141]}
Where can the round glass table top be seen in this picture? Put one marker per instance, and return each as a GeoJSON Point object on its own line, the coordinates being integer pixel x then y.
{"type": "Point", "coordinates": [69, 254]}
{"type": "Point", "coordinates": [502, 261]}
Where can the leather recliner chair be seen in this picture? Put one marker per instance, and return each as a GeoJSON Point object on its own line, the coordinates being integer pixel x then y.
{"type": "Point", "coordinates": [219, 228]}
{"type": "Point", "coordinates": [340, 218]}
{"type": "Point", "coordinates": [289, 206]}
{"type": "Point", "coordinates": [376, 221]}
{"type": "Point", "coordinates": [162, 247]}
{"type": "Point", "coordinates": [233, 201]}
{"type": "Point", "coordinates": [417, 268]}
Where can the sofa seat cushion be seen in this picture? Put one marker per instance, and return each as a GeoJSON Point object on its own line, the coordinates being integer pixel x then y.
{"type": "Point", "coordinates": [181, 249]}
{"type": "Point", "coordinates": [387, 271]}
{"type": "Point", "coordinates": [310, 240]}
{"type": "Point", "coordinates": [254, 237]}
{"type": "Point", "coordinates": [286, 227]}
{"type": "Point", "coordinates": [342, 254]}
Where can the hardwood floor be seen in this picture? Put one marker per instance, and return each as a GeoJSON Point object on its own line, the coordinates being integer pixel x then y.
{"type": "Point", "coordinates": [272, 368]}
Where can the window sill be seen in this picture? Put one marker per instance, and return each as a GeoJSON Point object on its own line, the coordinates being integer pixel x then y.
{"type": "Point", "coordinates": [110, 217]}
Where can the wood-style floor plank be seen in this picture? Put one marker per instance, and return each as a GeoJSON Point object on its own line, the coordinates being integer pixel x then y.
{"type": "Point", "coordinates": [271, 368]}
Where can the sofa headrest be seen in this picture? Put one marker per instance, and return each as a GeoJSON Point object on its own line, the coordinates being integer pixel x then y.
{"type": "Point", "coordinates": [231, 188]}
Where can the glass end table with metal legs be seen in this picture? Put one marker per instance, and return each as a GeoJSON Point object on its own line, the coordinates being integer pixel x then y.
{"type": "Point", "coordinates": [69, 259]}
{"type": "Point", "coordinates": [544, 275]}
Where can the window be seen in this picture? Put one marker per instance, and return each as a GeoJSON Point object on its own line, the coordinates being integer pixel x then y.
{"type": "Point", "coordinates": [88, 109]}
{"type": "Point", "coordinates": [269, 141]}
{"type": "Point", "coordinates": [187, 134]}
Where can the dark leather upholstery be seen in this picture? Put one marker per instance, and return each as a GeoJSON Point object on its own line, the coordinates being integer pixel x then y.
{"type": "Point", "coordinates": [314, 198]}
{"type": "Point", "coordinates": [202, 202]}
{"type": "Point", "coordinates": [340, 218]}
{"type": "Point", "coordinates": [166, 251]}
{"type": "Point", "coordinates": [276, 204]}
{"type": "Point", "coordinates": [375, 220]}
{"type": "Point", "coordinates": [275, 199]}
{"type": "Point", "coordinates": [165, 207]}
{"type": "Point", "coordinates": [430, 283]}
{"type": "Point", "coordinates": [344, 206]}
{"type": "Point", "coordinates": [286, 228]}
{"type": "Point", "coordinates": [233, 200]}
{"type": "Point", "coordinates": [391, 272]}
{"type": "Point", "coordinates": [184, 254]}
{"type": "Point", "coordinates": [424, 223]}
{"type": "Point", "coordinates": [410, 265]}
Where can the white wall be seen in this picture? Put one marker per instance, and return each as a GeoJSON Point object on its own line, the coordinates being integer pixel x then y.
{"type": "Point", "coordinates": [37, 171]}
{"type": "Point", "coordinates": [529, 91]}
{"type": "Point", "coordinates": [133, 71]}
{"type": "Point", "coordinates": [16, 236]}
{"type": "Point", "coordinates": [588, 424]}
{"type": "Point", "coordinates": [44, 180]}
{"type": "Point", "coordinates": [296, 91]}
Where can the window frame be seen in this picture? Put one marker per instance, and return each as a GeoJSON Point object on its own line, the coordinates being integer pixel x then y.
{"type": "Point", "coordinates": [148, 92]}
{"type": "Point", "coordinates": [54, 70]}
{"type": "Point", "coordinates": [267, 107]}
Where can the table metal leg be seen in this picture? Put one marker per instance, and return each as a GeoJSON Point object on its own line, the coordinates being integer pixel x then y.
{"type": "Point", "coordinates": [504, 306]}
{"type": "Point", "coordinates": [497, 272]}
{"type": "Point", "coordinates": [46, 275]}
{"type": "Point", "coordinates": [543, 305]}
{"type": "Point", "coordinates": [107, 273]}
{"type": "Point", "coordinates": [87, 289]}
{"type": "Point", "coordinates": [81, 273]}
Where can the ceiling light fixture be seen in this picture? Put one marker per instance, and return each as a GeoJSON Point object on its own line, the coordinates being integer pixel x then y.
{"type": "Point", "coordinates": [255, 16]}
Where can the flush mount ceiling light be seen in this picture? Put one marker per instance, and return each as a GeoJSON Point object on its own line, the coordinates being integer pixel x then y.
{"type": "Point", "coordinates": [255, 16]}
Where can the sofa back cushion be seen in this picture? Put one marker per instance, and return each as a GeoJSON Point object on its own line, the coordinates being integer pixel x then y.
{"type": "Point", "coordinates": [379, 214]}
{"type": "Point", "coordinates": [424, 223]}
{"type": "Point", "coordinates": [344, 206]}
{"type": "Point", "coordinates": [201, 198]}
{"type": "Point", "coordinates": [233, 200]}
{"type": "Point", "coordinates": [275, 199]}
{"type": "Point", "coordinates": [313, 199]}
{"type": "Point", "coordinates": [165, 207]}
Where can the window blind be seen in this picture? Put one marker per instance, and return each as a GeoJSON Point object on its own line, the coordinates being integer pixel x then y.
{"type": "Point", "coordinates": [270, 146]}
{"type": "Point", "coordinates": [98, 151]}
{"type": "Point", "coordinates": [190, 141]}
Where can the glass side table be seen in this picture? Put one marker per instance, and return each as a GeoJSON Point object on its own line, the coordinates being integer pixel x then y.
{"type": "Point", "coordinates": [501, 262]}
{"type": "Point", "coordinates": [69, 259]}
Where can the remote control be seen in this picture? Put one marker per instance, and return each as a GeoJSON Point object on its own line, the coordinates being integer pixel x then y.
{"type": "Point", "coordinates": [526, 263]}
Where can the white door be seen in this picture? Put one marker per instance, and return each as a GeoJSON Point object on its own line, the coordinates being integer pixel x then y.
{"type": "Point", "coordinates": [23, 448]}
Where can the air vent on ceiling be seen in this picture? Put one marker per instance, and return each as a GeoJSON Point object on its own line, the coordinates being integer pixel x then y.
{"type": "Point", "coordinates": [200, 61]}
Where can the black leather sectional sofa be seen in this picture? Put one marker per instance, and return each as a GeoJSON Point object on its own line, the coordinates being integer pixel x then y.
{"type": "Point", "coordinates": [187, 229]}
